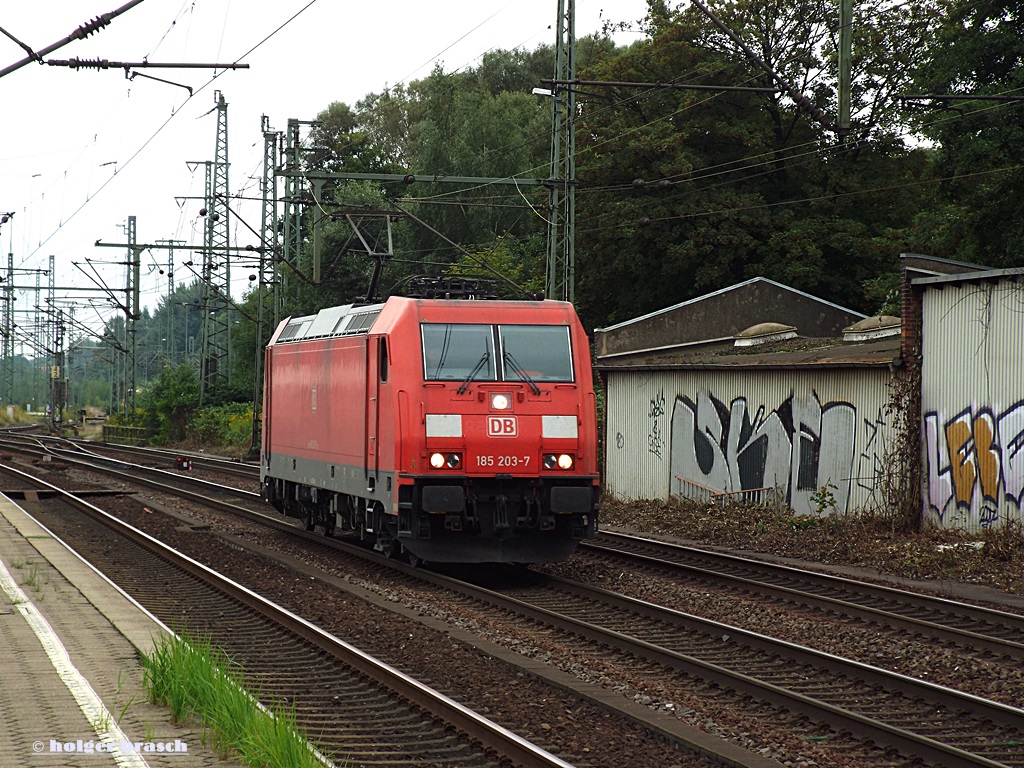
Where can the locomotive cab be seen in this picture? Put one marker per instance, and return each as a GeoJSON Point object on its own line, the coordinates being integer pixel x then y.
{"type": "Point", "coordinates": [501, 444]}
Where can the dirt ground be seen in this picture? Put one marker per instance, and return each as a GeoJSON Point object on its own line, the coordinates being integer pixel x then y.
{"type": "Point", "coordinates": [993, 558]}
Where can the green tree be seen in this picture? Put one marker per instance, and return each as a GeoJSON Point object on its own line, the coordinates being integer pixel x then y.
{"type": "Point", "coordinates": [682, 192]}
{"type": "Point", "coordinates": [168, 402]}
{"type": "Point", "coordinates": [977, 50]}
{"type": "Point", "coordinates": [481, 122]}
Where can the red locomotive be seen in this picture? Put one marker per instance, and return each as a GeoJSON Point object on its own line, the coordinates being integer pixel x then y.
{"type": "Point", "coordinates": [447, 430]}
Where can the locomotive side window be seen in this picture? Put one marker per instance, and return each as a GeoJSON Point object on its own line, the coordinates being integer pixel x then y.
{"type": "Point", "coordinates": [535, 352]}
{"type": "Point", "coordinates": [458, 351]}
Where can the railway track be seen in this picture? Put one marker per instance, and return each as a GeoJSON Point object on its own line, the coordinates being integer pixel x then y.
{"type": "Point", "coordinates": [151, 457]}
{"type": "Point", "coordinates": [914, 717]}
{"type": "Point", "coordinates": [356, 708]}
{"type": "Point", "coordinates": [995, 631]}
{"type": "Point", "coordinates": [726, 754]}
{"type": "Point", "coordinates": [907, 716]}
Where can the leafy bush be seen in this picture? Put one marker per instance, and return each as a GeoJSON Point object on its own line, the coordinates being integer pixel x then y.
{"type": "Point", "coordinates": [167, 403]}
{"type": "Point", "coordinates": [222, 426]}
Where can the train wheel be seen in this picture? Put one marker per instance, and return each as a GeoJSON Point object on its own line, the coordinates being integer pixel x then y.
{"type": "Point", "coordinates": [309, 518]}
{"type": "Point", "coordinates": [414, 561]}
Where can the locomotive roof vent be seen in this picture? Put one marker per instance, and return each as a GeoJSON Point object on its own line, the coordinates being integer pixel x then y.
{"type": "Point", "coordinates": [296, 328]}
{"type": "Point", "coordinates": [871, 328]}
{"type": "Point", "coordinates": [762, 333]}
{"type": "Point", "coordinates": [346, 320]}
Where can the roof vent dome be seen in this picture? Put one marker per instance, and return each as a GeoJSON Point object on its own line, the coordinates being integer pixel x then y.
{"type": "Point", "coordinates": [871, 328]}
{"type": "Point", "coordinates": [762, 333]}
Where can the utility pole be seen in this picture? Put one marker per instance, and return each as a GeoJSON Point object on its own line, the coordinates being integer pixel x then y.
{"type": "Point", "coordinates": [38, 336]}
{"type": "Point", "coordinates": [10, 331]}
{"type": "Point", "coordinates": [169, 244]}
{"type": "Point", "coordinates": [58, 379]}
{"type": "Point", "coordinates": [293, 196]}
{"type": "Point", "coordinates": [8, 367]}
{"type": "Point", "coordinates": [845, 56]}
{"type": "Point", "coordinates": [265, 275]}
{"type": "Point", "coordinates": [132, 313]}
{"type": "Point", "coordinates": [216, 273]}
{"type": "Point", "coordinates": [51, 333]}
{"type": "Point", "coordinates": [561, 262]}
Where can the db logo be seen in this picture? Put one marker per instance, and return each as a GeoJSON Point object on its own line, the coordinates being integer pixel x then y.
{"type": "Point", "coordinates": [502, 426]}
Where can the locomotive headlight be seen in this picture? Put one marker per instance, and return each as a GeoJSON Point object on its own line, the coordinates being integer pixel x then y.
{"type": "Point", "coordinates": [500, 401]}
{"type": "Point", "coordinates": [445, 460]}
{"type": "Point", "coordinates": [563, 461]}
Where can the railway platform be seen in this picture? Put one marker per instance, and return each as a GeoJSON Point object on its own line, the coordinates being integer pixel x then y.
{"type": "Point", "coordinates": [71, 683]}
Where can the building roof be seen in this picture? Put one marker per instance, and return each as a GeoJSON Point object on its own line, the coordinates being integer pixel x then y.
{"type": "Point", "coordinates": [800, 352]}
{"type": "Point", "coordinates": [1013, 273]}
{"type": "Point", "coordinates": [703, 330]}
{"type": "Point", "coordinates": [738, 288]}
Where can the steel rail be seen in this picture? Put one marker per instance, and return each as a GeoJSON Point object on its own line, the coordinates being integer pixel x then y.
{"type": "Point", "coordinates": [476, 727]}
{"type": "Point", "coordinates": [866, 727]}
{"type": "Point", "coordinates": [815, 588]}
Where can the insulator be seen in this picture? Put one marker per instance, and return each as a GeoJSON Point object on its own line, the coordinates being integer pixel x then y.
{"type": "Point", "coordinates": [77, 63]}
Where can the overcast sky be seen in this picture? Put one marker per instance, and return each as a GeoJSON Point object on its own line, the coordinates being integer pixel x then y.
{"type": "Point", "coordinates": [82, 150]}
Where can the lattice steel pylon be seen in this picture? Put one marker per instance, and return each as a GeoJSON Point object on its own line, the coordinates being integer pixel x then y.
{"type": "Point", "coordinates": [561, 262]}
{"type": "Point", "coordinates": [294, 193]}
{"type": "Point", "coordinates": [267, 275]}
{"type": "Point", "coordinates": [132, 313]}
{"type": "Point", "coordinates": [8, 363]}
{"type": "Point", "coordinates": [216, 273]}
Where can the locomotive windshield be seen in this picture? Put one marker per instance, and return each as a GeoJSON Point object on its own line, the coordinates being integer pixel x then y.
{"type": "Point", "coordinates": [462, 352]}
{"type": "Point", "coordinates": [453, 351]}
{"type": "Point", "coordinates": [537, 352]}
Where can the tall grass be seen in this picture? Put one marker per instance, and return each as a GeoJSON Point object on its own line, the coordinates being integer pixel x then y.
{"type": "Point", "coordinates": [195, 679]}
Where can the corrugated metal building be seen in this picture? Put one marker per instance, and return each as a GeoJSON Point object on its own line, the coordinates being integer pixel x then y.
{"type": "Point", "coordinates": [750, 391]}
{"type": "Point", "coordinates": [972, 397]}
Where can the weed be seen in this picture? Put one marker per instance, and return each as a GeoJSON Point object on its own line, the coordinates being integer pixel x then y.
{"type": "Point", "coordinates": [194, 679]}
{"type": "Point", "coordinates": [33, 577]}
{"type": "Point", "coordinates": [823, 499]}
{"type": "Point", "coordinates": [124, 709]}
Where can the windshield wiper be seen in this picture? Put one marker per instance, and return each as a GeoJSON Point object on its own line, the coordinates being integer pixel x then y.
{"type": "Point", "coordinates": [472, 374]}
{"type": "Point", "coordinates": [517, 369]}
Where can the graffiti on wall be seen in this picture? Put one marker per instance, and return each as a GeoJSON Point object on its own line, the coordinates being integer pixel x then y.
{"type": "Point", "coordinates": [796, 448]}
{"type": "Point", "coordinates": [655, 442]}
{"type": "Point", "coordinates": [872, 464]}
{"type": "Point", "coordinates": [975, 462]}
